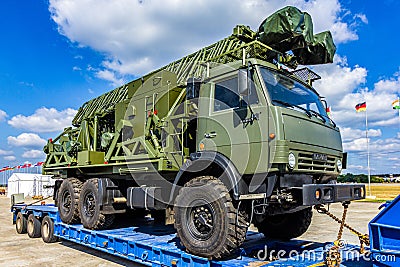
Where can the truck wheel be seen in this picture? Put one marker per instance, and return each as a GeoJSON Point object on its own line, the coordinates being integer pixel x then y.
{"type": "Point", "coordinates": [286, 226]}
{"type": "Point", "coordinates": [48, 230]}
{"type": "Point", "coordinates": [20, 223]}
{"type": "Point", "coordinates": [68, 199]}
{"type": "Point", "coordinates": [89, 209]}
{"type": "Point", "coordinates": [33, 226]}
{"type": "Point", "coordinates": [206, 220]}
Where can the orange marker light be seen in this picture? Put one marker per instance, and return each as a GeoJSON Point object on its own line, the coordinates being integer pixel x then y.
{"type": "Point", "coordinates": [271, 136]}
{"type": "Point", "coordinates": [201, 146]}
{"type": "Point", "coordinates": [317, 194]}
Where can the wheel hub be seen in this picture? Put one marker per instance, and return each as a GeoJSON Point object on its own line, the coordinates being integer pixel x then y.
{"type": "Point", "coordinates": [201, 223]}
{"type": "Point", "coordinates": [89, 204]}
{"type": "Point", "coordinates": [66, 205]}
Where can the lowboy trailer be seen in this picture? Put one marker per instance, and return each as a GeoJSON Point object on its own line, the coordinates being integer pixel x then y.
{"type": "Point", "coordinates": [153, 244]}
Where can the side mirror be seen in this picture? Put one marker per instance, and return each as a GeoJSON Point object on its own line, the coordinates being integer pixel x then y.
{"type": "Point", "coordinates": [243, 83]}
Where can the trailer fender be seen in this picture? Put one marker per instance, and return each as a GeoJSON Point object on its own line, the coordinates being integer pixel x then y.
{"type": "Point", "coordinates": [210, 163]}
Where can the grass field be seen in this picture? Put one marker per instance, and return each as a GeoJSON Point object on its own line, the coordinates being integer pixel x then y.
{"type": "Point", "coordinates": [383, 192]}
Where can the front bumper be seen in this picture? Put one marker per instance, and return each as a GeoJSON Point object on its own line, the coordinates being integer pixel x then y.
{"type": "Point", "coordinates": [314, 194]}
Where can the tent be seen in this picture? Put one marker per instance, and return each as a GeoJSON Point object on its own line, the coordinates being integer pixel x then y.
{"type": "Point", "coordinates": [30, 184]}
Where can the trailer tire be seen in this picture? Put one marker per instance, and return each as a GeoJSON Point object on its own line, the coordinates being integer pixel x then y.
{"type": "Point", "coordinates": [219, 229]}
{"type": "Point", "coordinates": [286, 226]}
{"type": "Point", "coordinates": [68, 200]}
{"type": "Point", "coordinates": [33, 226]}
{"type": "Point", "coordinates": [47, 230]}
{"type": "Point", "coordinates": [20, 223]}
{"type": "Point", "coordinates": [89, 208]}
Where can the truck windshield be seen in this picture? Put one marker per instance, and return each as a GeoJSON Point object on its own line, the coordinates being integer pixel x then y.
{"type": "Point", "coordinates": [288, 93]}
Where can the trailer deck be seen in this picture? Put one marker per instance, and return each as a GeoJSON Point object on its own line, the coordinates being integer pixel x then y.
{"type": "Point", "coordinates": [151, 244]}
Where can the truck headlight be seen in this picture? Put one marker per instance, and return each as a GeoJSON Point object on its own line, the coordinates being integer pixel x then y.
{"type": "Point", "coordinates": [339, 165]}
{"type": "Point", "coordinates": [291, 160]}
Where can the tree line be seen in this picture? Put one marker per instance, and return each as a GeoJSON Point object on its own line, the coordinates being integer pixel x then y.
{"type": "Point", "coordinates": [358, 178]}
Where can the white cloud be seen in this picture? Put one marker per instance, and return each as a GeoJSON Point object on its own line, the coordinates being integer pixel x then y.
{"type": "Point", "coordinates": [26, 140]}
{"type": "Point", "coordinates": [376, 146]}
{"type": "Point", "coordinates": [362, 17]}
{"type": "Point", "coordinates": [342, 33]}
{"type": "Point", "coordinates": [109, 76]}
{"type": "Point", "coordinates": [391, 85]}
{"type": "Point", "coordinates": [342, 85]}
{"type": "Point", "coordinates": [338, 79]}
{"type": "Point", "coordinates": [44, 120]}
{"type": "Point", "coordinates": [379, 108]}
{"type": "Point", "coordinates": [3, 115]}
{"type": "Point", "coordinates": [5, 152]}
{"type": "Point", "coordinates": [386, 122]}
{"type": "Point", "coordinates": [10, 158]}
{"type": "Point", "coordinates": [33, 154]}
{"type": "Point", "coordinates": [138, 36]}
{"type": "Point", "coordinates": [349, 134]}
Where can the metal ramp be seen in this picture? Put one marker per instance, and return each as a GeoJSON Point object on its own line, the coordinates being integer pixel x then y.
{"type": "Point", "coordinates": [384, 232]}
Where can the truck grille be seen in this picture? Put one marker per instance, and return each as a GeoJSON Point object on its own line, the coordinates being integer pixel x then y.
{"type": "Point", "coordinates": [306, 162]}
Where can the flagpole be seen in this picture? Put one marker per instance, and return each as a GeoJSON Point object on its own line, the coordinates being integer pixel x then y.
{"type": "Point", "coordinates": [398, 99]}
{"type": "Point", "coordinates": [366, 136]}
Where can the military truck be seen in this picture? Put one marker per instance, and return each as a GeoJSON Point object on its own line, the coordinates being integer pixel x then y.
{"type": "Point", "coordinates": [230, 135]}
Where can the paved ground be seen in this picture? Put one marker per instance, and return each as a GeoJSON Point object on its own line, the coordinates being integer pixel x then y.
{"type": "Point", "coordinates": [19, 250]}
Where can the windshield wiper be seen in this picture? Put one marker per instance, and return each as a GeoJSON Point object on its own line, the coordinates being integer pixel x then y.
{"type": "Point", "coordinates": [318, 115]}
{"type": "Point", "coordinates": [292, 105]}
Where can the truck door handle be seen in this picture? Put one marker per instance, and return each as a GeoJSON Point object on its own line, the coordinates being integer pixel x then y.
{"type": "Point", "coordinates": [210, 135]}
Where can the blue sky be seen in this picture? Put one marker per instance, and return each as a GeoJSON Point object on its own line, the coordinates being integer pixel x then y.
{"type": "Point", "coordinates": [56, 54]}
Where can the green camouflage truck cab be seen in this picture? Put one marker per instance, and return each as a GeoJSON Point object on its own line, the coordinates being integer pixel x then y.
{"type": "Point", "coordinates": [230, 135]}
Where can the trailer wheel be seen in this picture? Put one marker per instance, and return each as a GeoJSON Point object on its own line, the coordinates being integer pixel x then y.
{"type": "Point", "coordinates": [286, 226]}
{"type": "Point", "coordinates": [33, 226]}
{"type": "Point", "coordinates": [20, 223]}
{"type": "Point", "coordinates": [89, 209]}
{"type": "Point", "coordinates": [68, 200]}
{"type": "Point", "coordinates": [47, 230]}
{"type": "Point", "coordinates": [206, 221]}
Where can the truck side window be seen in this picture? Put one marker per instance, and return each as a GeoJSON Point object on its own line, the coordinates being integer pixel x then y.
{"type": "Point", "coordinates": [226, 95]}
{"type": "Point", "coordinates": [252, 98]}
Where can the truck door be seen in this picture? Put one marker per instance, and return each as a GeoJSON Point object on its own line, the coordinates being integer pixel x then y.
{"type": "Point", "coordinates": [223, 127]}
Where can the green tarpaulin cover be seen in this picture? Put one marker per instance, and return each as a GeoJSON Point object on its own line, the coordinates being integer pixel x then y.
{"type": "Point", "coordinates": [290, 29]}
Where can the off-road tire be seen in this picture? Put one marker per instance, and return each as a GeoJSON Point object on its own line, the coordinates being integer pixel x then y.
{"type": "Point", "coordinates": [286, 226]}
{"type": "Point", "coordinates": [68, 200]}
{"type": "Point", "coordinates": [89, 208]}
{"type": "Point", "coordinates": [228, 229]}
{"type": "Point", "coordinates": [33, 226]}
{"type": "Point", "coordinates": [20, 223]}
{"type": "Point", "coordinates": [47, 230]}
